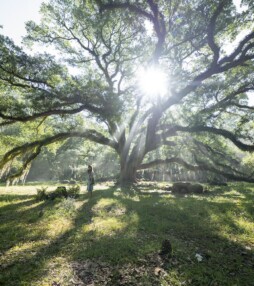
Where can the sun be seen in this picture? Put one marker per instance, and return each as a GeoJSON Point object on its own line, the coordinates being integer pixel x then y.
{"type": "Point", "coordinates": [152, 82]}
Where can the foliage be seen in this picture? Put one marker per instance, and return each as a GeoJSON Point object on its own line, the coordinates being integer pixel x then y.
{"type": "Point", "coordinates": [59, 192]}
{"type": "Point", "coordinates": [41, 194]}
{"type": "Point", "coordinates": [73, 191]}
{"type": "Point", "coordinates": [70, 162]}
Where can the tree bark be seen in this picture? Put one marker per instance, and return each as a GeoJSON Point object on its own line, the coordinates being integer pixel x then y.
{"type": "Point", "coordinates": [128, 173]}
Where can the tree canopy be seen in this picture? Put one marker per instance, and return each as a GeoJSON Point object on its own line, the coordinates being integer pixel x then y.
{"type": "Point", "coordinates": [86, 84]}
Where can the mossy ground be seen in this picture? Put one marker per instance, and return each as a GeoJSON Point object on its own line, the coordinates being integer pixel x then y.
{"type": "Point", "coordinates": [114, 238]}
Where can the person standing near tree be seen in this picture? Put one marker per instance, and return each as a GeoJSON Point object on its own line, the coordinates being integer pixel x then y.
{"type": "Point", "coordinates": [90, 180]}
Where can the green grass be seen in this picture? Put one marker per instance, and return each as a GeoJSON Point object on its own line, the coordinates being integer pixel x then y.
{"type": "Point", "coordinates": [114, 238]}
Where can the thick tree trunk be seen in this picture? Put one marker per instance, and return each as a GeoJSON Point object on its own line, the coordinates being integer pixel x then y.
{"type": "Point", "coordinates": [128, 173]}
{"type": "Point", "coordinates": [128, 177]}
{"type": "Point", "coordinates": [130, 161]}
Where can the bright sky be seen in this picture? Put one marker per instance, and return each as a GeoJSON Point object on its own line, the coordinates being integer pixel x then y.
{"type": "Point", "coordinates": [14, 14]}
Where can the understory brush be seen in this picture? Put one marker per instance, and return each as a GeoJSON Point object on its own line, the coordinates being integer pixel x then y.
{"type": "Point", "coordinates": [59, 192]}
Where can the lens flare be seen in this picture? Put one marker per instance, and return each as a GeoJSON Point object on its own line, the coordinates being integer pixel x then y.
{"type": "Point", "coordinates": [152, 82]}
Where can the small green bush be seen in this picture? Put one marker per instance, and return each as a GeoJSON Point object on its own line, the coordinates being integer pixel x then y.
{"type": "Point", "coordinates": [41, 194]}
{"type": "Point", "coordinates": [73, 192]}
{"type": "Point", "coordinates": [59, 192]}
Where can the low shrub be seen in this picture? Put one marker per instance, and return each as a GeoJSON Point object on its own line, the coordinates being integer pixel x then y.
{"type": "Point", "coordinates": [59, 192]}
{"type": "Point", "coordinates": [73, 192]}
{"type": "Point", "coordinates": [41, 194]}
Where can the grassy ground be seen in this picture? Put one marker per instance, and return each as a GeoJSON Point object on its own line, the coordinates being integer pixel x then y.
{"type": "Point", "coordinates": [115, 237]}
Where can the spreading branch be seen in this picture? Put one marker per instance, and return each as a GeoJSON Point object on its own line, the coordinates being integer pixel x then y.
{"type": "Point", "coordinates": [155, 17]}
{"type": "Point", "coordinates": [224, 133]}
{"type": "Point", "coordinates": [211, 32]}
{"type": "Point", "coordinates": [13, 119]}
{"type": "Point", "coordinates": [200, 167]}
{"type": "Point", "coordinates": [91, 135]}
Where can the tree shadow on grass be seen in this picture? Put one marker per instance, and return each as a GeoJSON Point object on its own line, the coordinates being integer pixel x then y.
{"type": "Point", "coordinates": [197, 226]}
{"type": "Point", "coordinates": [19, 223]}
{"type": "Point", "coordinates": [14, 218]}
{"type": "Point", "coordinates": [241, 194]}
{"type": "Point", "coordinates": [245, 189]}
{"type": "Point", "coordinates": [135, 233]}
{"type": "Point", "coordinates": [187, 223]}
{"type": "Point", "coordinates": [11, 198]}
{"type": "Point", "coordinates": [23, 272]}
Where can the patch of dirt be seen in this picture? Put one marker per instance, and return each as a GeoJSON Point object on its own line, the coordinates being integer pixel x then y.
{"type": "Point", "coordinates": [145, 271]}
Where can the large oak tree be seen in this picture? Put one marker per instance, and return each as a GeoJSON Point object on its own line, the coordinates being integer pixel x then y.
{"type": "Point", "coordinates": [88, 77]}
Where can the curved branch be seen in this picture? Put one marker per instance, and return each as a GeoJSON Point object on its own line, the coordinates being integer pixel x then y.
{"type": "Point", "coordinates": [25, 164]}
{"type": "Point", "coordinates": [29, 80]}
{"type": "Point", "coordinates": [238, 50]}
{"type": "Point", "coordinates": [91, 52]}
{"type": "Point", "coordinates": [91, 135]}
{"type": "Point", "coordinates": [165, 162]}
{"type": "Point", "coordinates": [38, 115]}
{"type": "Point", "coordinates": [243, 106]}
{"type": "Point", "coordinates": [129, 6]}
{"type": "Point", "coordinates": [211, 31]}
{"type": "Point", "coordinates": [216, 157]}
{"type": "Point", "coordinates": [223, 65]}
{"type": "Point", "coordinates": [238, 62]}
{"type": "Point", "coordinates": [197, 129]}
{"type": "Point", "coordinates": [228, 100]}
{"type": "Point", "coordinates": [159, 27]}
{"type": "Point", "coordinates": [200, 167]}
{"type": "Point", "coordinates": [156, 18]}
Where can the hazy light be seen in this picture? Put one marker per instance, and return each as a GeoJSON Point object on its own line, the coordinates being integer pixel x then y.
{"type": "Point", "coordinates": [250, 98]}
{"type": "Point", "coordinates": [152, 81]}
{"type": "Point", "coordinates": [240, 7]}
{"type": "Point", "coordinates": [149, 27]}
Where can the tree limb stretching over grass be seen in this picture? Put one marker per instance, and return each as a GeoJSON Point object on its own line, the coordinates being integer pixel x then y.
{"type": "Point", "coordinates": [33, 149]}
{"type": "Point", "coordinates": [13, 119]}
{"type": "Point", "coordinates": [201, 166]}
{"type": "Point", "coordinates": [198, 129]}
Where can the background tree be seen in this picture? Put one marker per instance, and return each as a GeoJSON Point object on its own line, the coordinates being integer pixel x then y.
{"type": "Point", "coordinates": [89, 89]}
{"type": "Point", "coordinates": [69, 161]}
